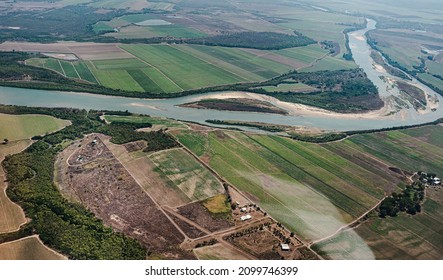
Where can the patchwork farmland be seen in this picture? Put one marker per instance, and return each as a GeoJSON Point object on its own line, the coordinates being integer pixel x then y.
{"type": "Point", "coordinates": [316, 189]}
{"type": "Point", "coordinates": [174, 68]}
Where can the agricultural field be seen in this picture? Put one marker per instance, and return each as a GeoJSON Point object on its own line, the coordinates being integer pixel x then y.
{"type": "Point", "coordinates": [431, 80]}
{"type": "Point", "coordinates": [19, 127]}
{"type": "Point", "coordinates": [69, 69]}
{"type": "Point", "coordinates": [187, 174]}
{"type": "Point", "coordinates": [314, 189]}
{"type": "Point", "coordinates": [435, 68]}
{"type": "Point", "coordinates": [174, 68]}
{"type": "Point", "coordinates": [402, 237]}
{"type": "Point", "coordinates": [291, 180]}
{"type": "Point", "coordinates": [219, 252]}
{"type": "Point", "coordinates": [29, 248]}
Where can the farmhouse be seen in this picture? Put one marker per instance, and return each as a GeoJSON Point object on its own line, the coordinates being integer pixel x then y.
{"type": "Point", "coordinates": [245, 218]}
{"type": "Point", "coordinates": [284, 247]}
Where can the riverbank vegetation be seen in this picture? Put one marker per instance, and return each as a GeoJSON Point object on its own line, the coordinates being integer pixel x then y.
{"type": "Point", "coordinates": [236, 104]}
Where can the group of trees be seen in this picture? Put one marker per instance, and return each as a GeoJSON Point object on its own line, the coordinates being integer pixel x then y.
{"type": "Point", "coordinates": [255, 40]}
{"type": "Point", "coordinates": [67, 226]}
{"type": "Point", "coordinates": [408, 201]}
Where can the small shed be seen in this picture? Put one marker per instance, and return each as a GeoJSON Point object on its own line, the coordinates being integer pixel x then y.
{"type": "Point", "coordinates": [245, 218]}
{"type": "Point", "coordinates": [284, 247]}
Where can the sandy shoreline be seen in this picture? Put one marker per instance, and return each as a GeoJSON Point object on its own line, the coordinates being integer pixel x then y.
{"type": "Point", "coordinates": [296, 109]}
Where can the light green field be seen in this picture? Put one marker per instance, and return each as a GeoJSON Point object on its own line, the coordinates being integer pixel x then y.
{"type": "Point", "coordinates": [402, 237]}
{"type": "Point", "coordinates": [292, 180]}
{"type": "Point", "coordinates": [18, 127]}
{"type": "Point", "coordinates": [432, 80]}
{"type": "Point", "coordinates": [400, 150]}
{"type": "Point", "coordinates": [196, 67]}
{"type": "Point", "coordinates": [306, 54]}
{"type": "Point", "coordinates": [331, 64]}
{"type": "Point", "coordinates": [435, 68]}
{"type": "Point", "coordinates": [27, 249]}
{"type": "Point", "coordinates": [70, 69]}
{"type": "Point", "coordinates": [187, 173]}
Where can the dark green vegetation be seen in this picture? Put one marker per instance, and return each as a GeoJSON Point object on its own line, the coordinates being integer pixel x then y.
{"type": "Point", "coordinates": [256, 40]}
{"type": "Point", "coordinates": [342, 90]}
{"type": "Point", "coordinates": [63, 225]}
{"type": "Point", "coordinates": [236, 104]}
{"type": "Point", "coordinates": [67, 23]}
{"type": "Point", "coordinates": [408, 200]}
{"type": "Point", "coordinates": [125, 132]}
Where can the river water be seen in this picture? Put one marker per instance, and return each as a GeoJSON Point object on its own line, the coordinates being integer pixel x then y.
{"type": "Point", "coordinates": [167, 107]}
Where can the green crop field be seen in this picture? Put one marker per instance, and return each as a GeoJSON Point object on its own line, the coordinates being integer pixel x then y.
{"type": "Point", "coordinates": [75, 69]}
{"type": "Point", "coordinates": [431, 79]}
{"type": "Point", "coordinates": [435, 68]}
{"type": "Point", "coordinates": [306, 54]}
{"type": "Point", "coordinates": [400, 150]}
{"type": "Point", "coordinates": [331, 64]}
{"type": "Point", "coordinates": [20, 127]}
{"type": "Point", "coordinates": [402, 237]}
{"type": "Point", "coordinates": [314, 189]}
{"type": "Point", "coordinates": [292, 180]}
{"type": "Point", "coordinates": [187, 173]}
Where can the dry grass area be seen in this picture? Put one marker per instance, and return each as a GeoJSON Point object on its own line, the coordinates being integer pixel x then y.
{"type": "Point", "coordinates": [11, 215]}
{"type": "Point", "coordinates": [88, 172]}
{"type": "Point", "coordinates": [219, 252]}
{"type": "Point", "coordinates": [85, 51]}
{"type": "Point", "coordinates": [29, 248]}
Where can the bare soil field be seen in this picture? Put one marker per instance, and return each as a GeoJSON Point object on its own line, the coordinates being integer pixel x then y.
{"type": "Point", "coordinates": [94, 177]}
{"type": "Point", "coordinates": [218, 252]}
{"type": "Point", "coordinates": [200, 215]}
{"type": "Point", "coordinates": [11, 215]}
{"type": "Point", "coordinates": [190, 230]}
{"type": "Point", "coordinates": [85, 51]}
{"type": "Point", "coordinates": [29, 248]}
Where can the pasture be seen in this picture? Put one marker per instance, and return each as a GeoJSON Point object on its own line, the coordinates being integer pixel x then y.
{"type": "Point", "coordinates": [18, 127]}
{"type": "Point", "coordinates": [29, 248]}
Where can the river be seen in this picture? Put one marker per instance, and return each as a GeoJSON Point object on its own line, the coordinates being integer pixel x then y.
{"type": "Point", "coordinates": [167, 107]}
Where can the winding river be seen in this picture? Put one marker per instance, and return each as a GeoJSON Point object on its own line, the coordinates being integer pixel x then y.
{"type": "Point", "coordinates": [304, 117]}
